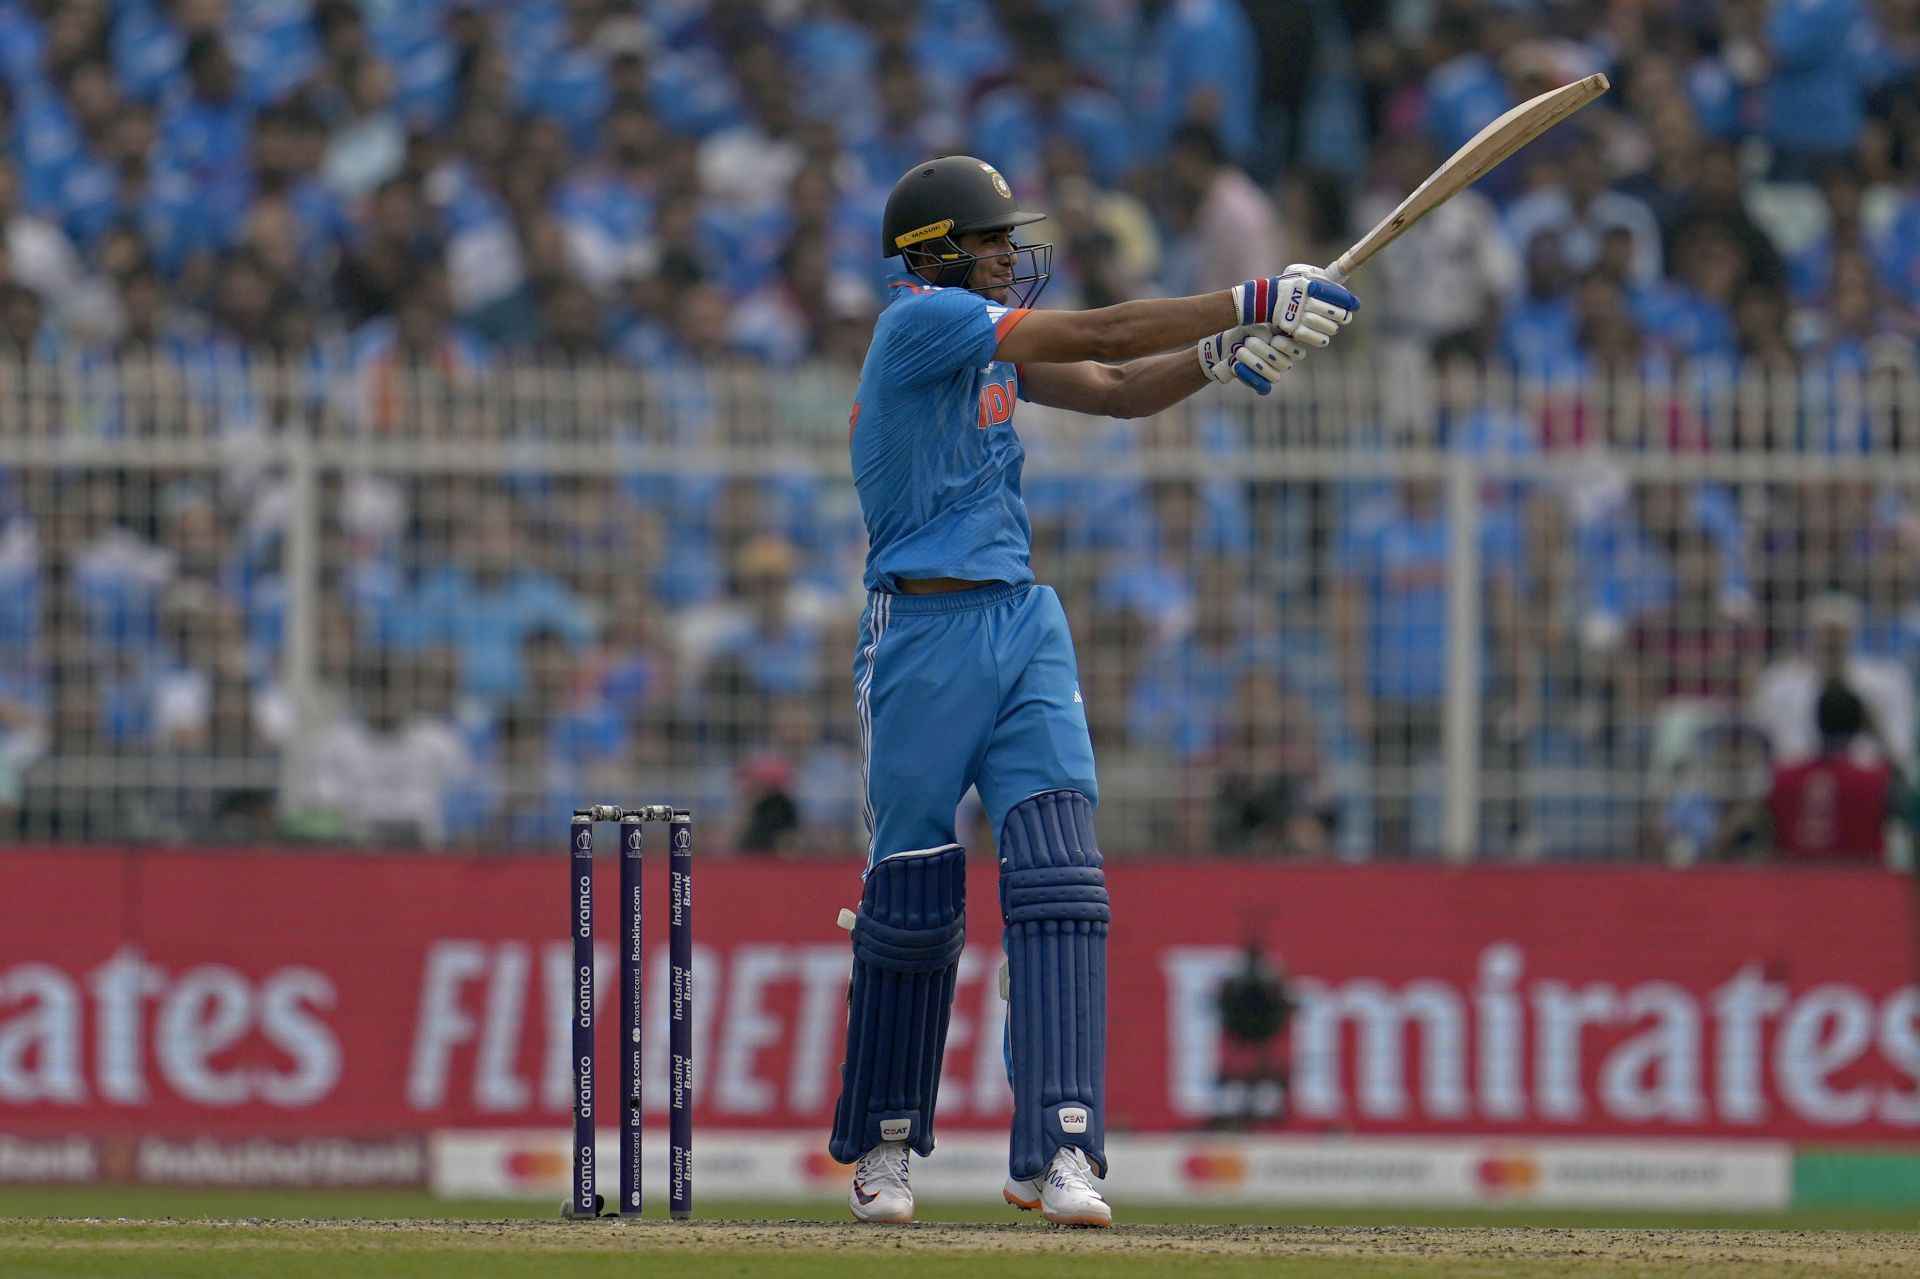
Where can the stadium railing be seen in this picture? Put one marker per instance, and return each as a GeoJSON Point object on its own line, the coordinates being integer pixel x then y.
{"type": "Point", "coordinates": [1393, 609]}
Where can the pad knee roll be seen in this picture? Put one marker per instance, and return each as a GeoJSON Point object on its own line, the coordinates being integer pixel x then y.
{"type": "Point", "coordinates": [1053, 901]}
{"type": "Point", "coordinates": [907, 939]}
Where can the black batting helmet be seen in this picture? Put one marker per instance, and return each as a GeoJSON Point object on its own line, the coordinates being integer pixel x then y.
{"type": "Point", "coordinates": [934, 203]}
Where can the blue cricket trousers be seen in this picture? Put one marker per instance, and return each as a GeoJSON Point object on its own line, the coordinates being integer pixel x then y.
{"type": "Point", "coordinates": [970, 688]}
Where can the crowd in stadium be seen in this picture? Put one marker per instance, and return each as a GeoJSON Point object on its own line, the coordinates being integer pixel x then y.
{"type": "Point", "coordinates": [587, 175]}
{"type": "Point", "coordinates": [393, 190]}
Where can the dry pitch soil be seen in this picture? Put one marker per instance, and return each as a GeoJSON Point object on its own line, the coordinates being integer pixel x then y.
{"type": "Point", "coordinates": [1426, 1250]}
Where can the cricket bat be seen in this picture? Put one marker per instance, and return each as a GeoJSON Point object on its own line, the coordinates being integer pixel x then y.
{"type": "Point", "coordinates": [1487, 148]}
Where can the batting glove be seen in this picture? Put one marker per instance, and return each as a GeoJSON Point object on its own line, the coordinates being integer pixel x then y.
{"type": "Point", "coordinates": [1263, 357]}
{"type": "Point", "coordinates": [1217, 357]}
{"type": "Point", "coordinates": [1308, 309]}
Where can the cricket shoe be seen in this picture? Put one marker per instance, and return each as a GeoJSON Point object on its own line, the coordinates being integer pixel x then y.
{"type": "Point", "coordinates": [880, 1189]}
{"type": "Point", "coordinates": [1064, 1193]}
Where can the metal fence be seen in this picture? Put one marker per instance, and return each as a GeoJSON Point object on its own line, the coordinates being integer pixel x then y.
{"type": "Point", "coordinates": [1390, 610]}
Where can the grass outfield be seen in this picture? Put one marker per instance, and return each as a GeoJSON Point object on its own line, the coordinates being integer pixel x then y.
{"type": "Point", "coordinates": [162, 1234]}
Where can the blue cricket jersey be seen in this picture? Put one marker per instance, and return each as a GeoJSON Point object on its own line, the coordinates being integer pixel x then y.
{"type": "Point", "coordinates": [935, 458]}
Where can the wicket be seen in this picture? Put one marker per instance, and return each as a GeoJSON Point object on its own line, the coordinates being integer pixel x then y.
{"type": "Point", "coordinates": [586, 1202]}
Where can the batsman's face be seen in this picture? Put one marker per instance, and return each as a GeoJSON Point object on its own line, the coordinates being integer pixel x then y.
{"type": "Point", "coordinates": [992, 273]}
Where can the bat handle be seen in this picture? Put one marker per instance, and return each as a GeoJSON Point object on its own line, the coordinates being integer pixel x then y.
{"type": "Point", "coordinates": [1340, 270]}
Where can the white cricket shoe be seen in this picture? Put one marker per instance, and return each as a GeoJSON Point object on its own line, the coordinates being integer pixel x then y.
{"type": "Point", "coordinates": [1064, 1193]}
{"type": "Point", "coordinates": [880, 1189]}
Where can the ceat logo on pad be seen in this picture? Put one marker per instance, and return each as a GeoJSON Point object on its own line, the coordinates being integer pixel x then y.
{"type": "Point", "coordinates": [1073, 1119]}
{"type": "Point", "coordinates": [895, 1129]}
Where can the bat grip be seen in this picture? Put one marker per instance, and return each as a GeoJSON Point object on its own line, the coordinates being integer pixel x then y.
{"type": "Point", "coordinates": [1339, 271]}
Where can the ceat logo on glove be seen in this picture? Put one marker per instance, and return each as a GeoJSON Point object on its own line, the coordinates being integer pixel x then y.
{"type": "Point", "coordinates": [895, 1129]}
{"type": "Point", "coordinates": [1073, 1119]}
{"type": "Point", "coordinates": [1293, 302]}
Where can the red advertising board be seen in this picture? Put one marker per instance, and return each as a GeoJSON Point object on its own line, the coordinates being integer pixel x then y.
{"type": "Point", "coordinates": [301, 994]}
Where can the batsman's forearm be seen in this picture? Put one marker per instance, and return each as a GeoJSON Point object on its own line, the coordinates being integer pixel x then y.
{"type": "Point", "coordinates": [1157, 382]}
{"type": "Point", "coordinates": [1115, 334]}
{"type": "Point", "coordinates": [1130, 330]}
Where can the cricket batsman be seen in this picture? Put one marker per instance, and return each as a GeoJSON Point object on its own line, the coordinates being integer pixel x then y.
{"type": "Point", "coordinates": [965, 672]}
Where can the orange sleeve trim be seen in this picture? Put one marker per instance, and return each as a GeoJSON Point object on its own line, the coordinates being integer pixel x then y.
{"type": "Point", "coordinates": [1007, 322]}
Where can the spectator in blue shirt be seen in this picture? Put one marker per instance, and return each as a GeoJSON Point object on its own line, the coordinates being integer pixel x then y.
{"type": "Point", "coordinates": [1464, 90]}
{"type": "Point", "coordinates": [1691, 318]}
{"type": "Point", "coordinates": [288, 141]}
{"type": "Point", "coordinates": [206, 137]}
{"type": "Point", "coordinates": [1810, 270]}
{"type": "Point", "coordinates": [690, 89]}
{"type": "Point", "coordinates": [516, 790]}
{"type": "Point", "coordinates": [1622, 566]}
{"type": "Point", "coordinates": [1814, 89]}
{"type": "Point", "coordinates": [1540, 332]}
{"type": "Point", "coordinates": [1835, 364]}
{"type": "Point", "coordinates": [115, 575]}
{"type": "Point", "coordinates": [486, 601]}
{"type": "Point", "coordinates": [275, 45]}
{"type": "Point", "coordinates": [607, 204]}
{"type": "Point", "coordinates": [568, 78]}
{"type": "Point", "coordinates": [82, 178]}
{"type": "Point", "coordinates": [22, 42]}
{"type": "Point", "coordinates": [1183, 698]}
{"type": "Point", "coordinates": [957, 43]}
{"type": "Point", "coordinates": [426, 50]}
{"type": "Point", "coordinates": [1154, 534]}
{"type": "Point", "coordinates": [45, 141]}
{"type": "Point", "coordinates": [148, 45]}
{"type": "Point", "coordinates": [906, 129]}
{"type": "Point", "coordinates": [1390, 633]}
{"type": "Point", "coordinates": [1719, 80]}
{"type": "Point", "coordinates": [1043, 99]}
{"type": "Point", "coordinates": [833, 56]}
{"type": "Point", "coordinates": [1199, 65]}
{"type": "Point", "coordinates": [781, 330]}
{"type": "Point", "coordinates": [585, 732]}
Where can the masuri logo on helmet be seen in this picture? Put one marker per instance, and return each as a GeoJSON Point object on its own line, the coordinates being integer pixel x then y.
{"type": "Point", "coordinates": [928, 232]}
